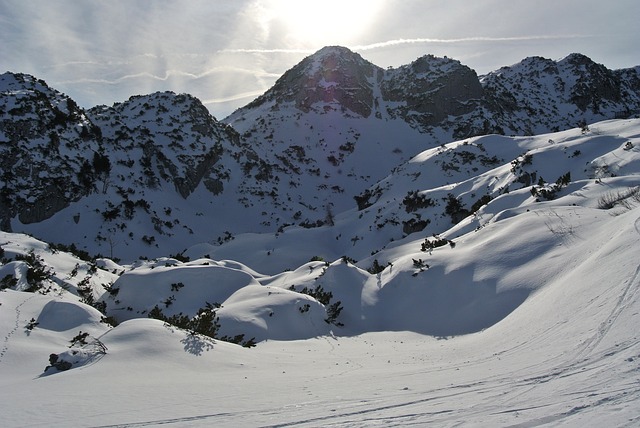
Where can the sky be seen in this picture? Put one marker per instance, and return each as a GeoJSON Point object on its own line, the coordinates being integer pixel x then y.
{"type": "Point", "coordinates": [227, 52]}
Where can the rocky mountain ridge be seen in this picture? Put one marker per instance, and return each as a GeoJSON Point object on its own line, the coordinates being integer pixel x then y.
{"type": "Point", "coordinates": [157, 173]}
{"type": "Point", "coordinates": [434, 92]}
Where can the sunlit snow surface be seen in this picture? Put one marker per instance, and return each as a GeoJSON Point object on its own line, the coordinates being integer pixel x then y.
{"type": "Point", "coordinates": [531, 319]}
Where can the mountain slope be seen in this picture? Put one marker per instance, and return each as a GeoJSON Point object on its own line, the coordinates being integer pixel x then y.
{"type": "Point", "coordinates": [539, 95]}
{"type": "Point", "coordinates": [118, 180]}
{"type": "Point", "coordinates": [471, 180]}
{"type": "Point", "coordinates": [477, 205]}
{"type": "Point", "coordinates": [43, 131]}
{"type": "Point", "coordinates": [530, 318]}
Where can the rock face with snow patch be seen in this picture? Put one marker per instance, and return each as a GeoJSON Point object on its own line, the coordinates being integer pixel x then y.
{"type": "Point", "coordinates": [333, 78]}
{"type": "Point", "coordinates": [430, 89]}
{"type": "Point", "coordinates": [44, 138]}
{"type": "Point", "coordinates": [175, 137]}
{"type": "Point", "coordinates": [117, 159]}
{"type": "Point", "coordinates": [535, 95]}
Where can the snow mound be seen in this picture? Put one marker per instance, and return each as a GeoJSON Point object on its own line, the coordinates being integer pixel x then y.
{"type": "Point", "coordinates": [264, 312]}
{"type": "Point", "coordinates": [174, 288]}
{"type": "Point", "coordinates": [61, 316]}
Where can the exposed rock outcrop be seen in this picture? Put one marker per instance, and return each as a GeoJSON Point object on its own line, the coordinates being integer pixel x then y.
{"type": "Point", "coordinates": [333, 78]}
{"type": "Point", "coordinates": [431, 89]}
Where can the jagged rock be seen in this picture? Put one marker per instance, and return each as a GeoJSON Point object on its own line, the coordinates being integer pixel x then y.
{"type": "Point", "coordinates": [39, 127]}
{"type": "Point", "coordinates": [538, 94]}
{"type": "Point", "coordinates": [332, 78]}
{"type": "Point", "coordinates": [595, 84]}
{"type": "Point", "coordinates": [430, 89]}
{"type": "Point", "coordinates": [55, 362]}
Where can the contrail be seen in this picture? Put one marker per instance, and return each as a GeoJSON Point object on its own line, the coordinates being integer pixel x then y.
{"type": "Point", "coordinates": [396, 42]}
{"type": "Point", "coordinates": [463, 40]}
{"type": "Point", "coordinates": [292, 51]}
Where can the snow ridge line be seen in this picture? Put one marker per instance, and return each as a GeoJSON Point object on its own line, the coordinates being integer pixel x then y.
{"type": "Point", "coordinates": [5, 346]}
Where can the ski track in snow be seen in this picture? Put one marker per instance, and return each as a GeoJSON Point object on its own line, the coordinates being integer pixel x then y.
{"type": "Point", "coordinates": [7, 338]}
{"type": "Point", "coordinates": [166, 421]}
{"type": "Point", "coordinates": [586, 359]}
{"type": "Point", "coordinates": [626, 298]}
{"type": "Point", "coordinates": [349, 361]}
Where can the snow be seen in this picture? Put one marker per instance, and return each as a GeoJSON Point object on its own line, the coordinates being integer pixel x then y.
{"type": "Point", "coordinates": [142, 288]}
{"type": "Point", "coordinates": [529, 319]}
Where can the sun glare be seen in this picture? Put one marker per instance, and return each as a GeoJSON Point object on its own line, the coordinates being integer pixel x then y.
{"type": "Point", "coordinates": [323, 22]}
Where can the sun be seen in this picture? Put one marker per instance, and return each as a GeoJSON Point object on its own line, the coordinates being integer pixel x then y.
{"type": "Point", "coordinates": [323, 22]}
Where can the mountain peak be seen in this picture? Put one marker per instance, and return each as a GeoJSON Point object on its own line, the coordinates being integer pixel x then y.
{"type": "Point", "coordinates": [336, 58]}
{"type": "Point", "coordinates": [577, 59]}
{"type": "Point", "coordinates": [430, 89]}
{"type": "Point", "coordinates": [10, 80]}
{"type": "Point", "coordinates": [332, 78]}
{"type": "Point", "coordinates": [333, 64]}
{"type": "Point", "coordinates": [334, 50]}
{"type": "Point", "coordinates": [428, 62]}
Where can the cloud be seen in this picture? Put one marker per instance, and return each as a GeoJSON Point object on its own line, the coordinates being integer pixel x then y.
{"type": "Point", "coordinates": [171, 74]}
{"type": "Point", "coordinates": [235, 97]}
{"type": "Point", "coordinates": [413, 41]}
{"type": "Point", "coordinates": [266, 51]}
{"type": "Point", "coordinates": [464, 40]}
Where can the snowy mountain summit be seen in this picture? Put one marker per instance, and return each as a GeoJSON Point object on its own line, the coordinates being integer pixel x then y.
{"type": "Point", "coordinates": [434, 92]}
{"type": "Point", "coordinates": [335, 78]}
{"type": "Point", "coordinates": [332, 78]}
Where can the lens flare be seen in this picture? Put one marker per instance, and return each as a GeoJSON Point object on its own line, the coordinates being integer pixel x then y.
{"type": "Point", "coordinates": [322, 23]}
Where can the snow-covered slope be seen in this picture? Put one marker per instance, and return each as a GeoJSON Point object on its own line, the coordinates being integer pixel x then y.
{"type": "Point", "coordinates": [477, 177]}
{"type": "Point", "coordinates": [523, 312]}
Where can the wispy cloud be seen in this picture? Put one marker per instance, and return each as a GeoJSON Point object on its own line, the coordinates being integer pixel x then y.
{"type": "Point", "coordinates": [235, 97]}
{"type": "Point", "coordinates": [266, 51]}
{"type": "Point", "coordinates": [465, 40]}
{"type": "Point", "coordinates": [413, 41]}
{"type": "Point", "coordinates": [170, 74]}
